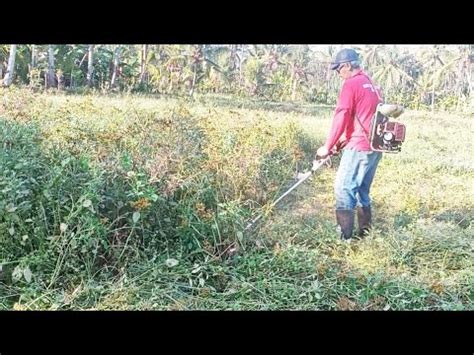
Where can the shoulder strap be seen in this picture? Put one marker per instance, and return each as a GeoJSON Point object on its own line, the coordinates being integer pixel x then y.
{"type": "Point", "coordinates": [357, 118]}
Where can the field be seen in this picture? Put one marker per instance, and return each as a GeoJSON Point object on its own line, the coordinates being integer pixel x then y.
{"type": "Point", "coordinates": [138, 202]}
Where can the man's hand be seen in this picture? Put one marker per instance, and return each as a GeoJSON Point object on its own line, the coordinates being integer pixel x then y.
{"type": "Point", "coordinates": [322, 152]}
{"type": "Point", "coordinates": [339, 146]}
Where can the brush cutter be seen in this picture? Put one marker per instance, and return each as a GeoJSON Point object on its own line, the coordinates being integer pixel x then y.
{"type": "Point", "coordinates": [300, 178]}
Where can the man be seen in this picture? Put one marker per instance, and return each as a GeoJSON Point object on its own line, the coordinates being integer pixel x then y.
{"type": "Point", "coordinates": [356, 106]}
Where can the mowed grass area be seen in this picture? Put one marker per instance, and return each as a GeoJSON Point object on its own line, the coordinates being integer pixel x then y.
{"type": "Point", "coordinates": [130, 202]}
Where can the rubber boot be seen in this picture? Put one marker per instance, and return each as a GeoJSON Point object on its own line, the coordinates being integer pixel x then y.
{"type": "Point", "coordinates": [345, 220]}
{"type": "Point", "coordinates": [364, 219]}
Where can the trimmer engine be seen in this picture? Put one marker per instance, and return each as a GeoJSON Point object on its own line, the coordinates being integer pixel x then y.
{"type": "Point", "coordinates": [387, 136]}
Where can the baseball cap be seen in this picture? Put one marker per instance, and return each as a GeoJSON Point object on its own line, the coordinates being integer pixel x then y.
{"type": "Point", "coordinates": [343, 56]}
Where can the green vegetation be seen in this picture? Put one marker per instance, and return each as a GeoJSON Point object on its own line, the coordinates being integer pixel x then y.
{"type": "Point", "coordinates": [123, 201]}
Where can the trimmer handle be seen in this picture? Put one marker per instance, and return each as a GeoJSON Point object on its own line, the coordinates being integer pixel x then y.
{"type": "Point", "coordinates": [317, 163]}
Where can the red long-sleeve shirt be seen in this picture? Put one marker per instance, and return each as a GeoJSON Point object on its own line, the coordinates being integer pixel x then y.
{"type": "Point", "coordinates": [357, 97]}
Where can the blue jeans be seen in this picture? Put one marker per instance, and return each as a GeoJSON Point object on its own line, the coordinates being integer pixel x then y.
{"type": "Point", "coordinates": [354, 177]}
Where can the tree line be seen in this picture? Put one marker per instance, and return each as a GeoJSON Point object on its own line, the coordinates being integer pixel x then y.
{"type": "Point", "coordinates": [431, 76]}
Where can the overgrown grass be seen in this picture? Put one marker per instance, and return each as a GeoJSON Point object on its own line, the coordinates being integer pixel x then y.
{"type": "Point", "coordinates": [133, 202]}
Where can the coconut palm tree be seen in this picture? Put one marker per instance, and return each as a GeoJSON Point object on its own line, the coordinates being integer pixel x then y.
{"type": "Point", "coordinates": [8, 79]}
{"type": "Point", "coordinates": [90, 66]}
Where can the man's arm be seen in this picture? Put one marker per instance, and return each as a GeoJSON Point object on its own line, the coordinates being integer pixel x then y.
{"type": "Point", "coordinates": [342, 117]}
